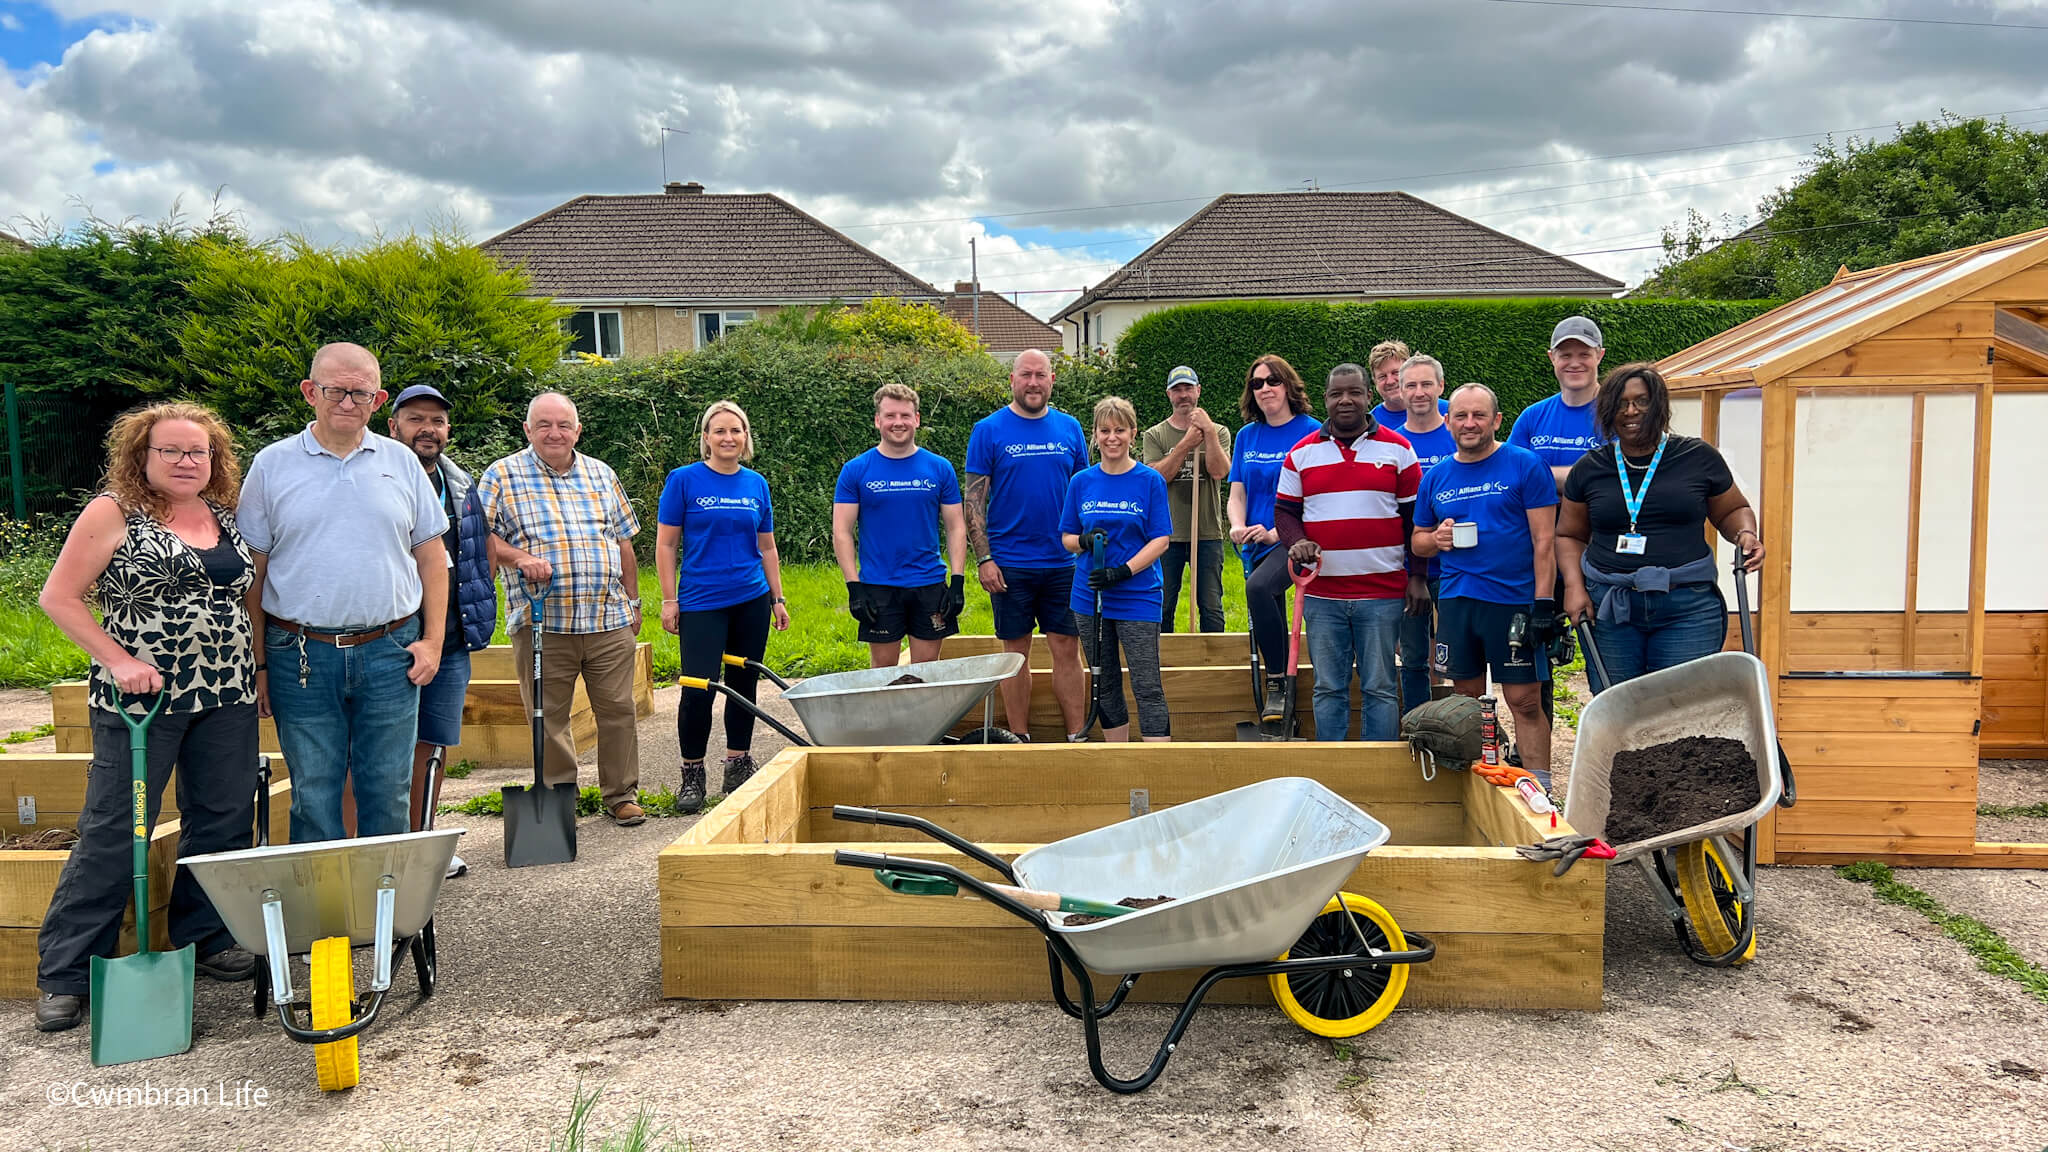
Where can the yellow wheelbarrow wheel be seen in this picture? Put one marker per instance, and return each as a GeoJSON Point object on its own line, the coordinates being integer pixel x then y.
{"type": "Point", "coordinates": [1344, 1002]}
{"type": "Point", "coordinates": [1708, 890]}
{"type": "Point", "coordinates": [334, 996]}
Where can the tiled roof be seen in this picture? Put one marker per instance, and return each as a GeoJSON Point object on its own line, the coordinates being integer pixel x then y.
{"type": "Point", "coordinates": [12, 241]}
{"type": "Point", "coordinates": [1005, 328]}
{"type": "Point", "coordinates": [754, 247]}
{"type": "Point", "coordinates": [1278, 244]}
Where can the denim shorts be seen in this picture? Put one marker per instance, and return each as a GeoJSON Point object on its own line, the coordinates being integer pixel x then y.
{"type": "Point", "coordinates": [441, 701]}
{"type": "Point", "coordinates": [1038, 598]}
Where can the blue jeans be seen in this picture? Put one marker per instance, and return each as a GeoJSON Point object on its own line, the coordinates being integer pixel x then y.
{"type": "Point", "coordinates": [1341, 635]}
{"type": "Point", "coordinates": [1665, 629]}
{"type": "Point", "coordinates": [1417, 636]}
{"type": "Point", "coordinates": [356, 716]}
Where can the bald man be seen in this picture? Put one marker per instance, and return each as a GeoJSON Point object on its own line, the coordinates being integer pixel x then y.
{"type": "Point", "coordinates": [346, 533]}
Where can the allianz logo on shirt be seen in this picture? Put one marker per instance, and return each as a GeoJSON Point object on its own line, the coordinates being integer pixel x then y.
{"type": "Point", "coordinates": [1047, 448]}
{"type": "Point", "coordinates": [746, 502]}
{"type": "Point", "coordinates": [1129, 507]}
{"type": "Point", "coordinates": [1548, 440]}
{"type": "Point", "coordinates": [1471, 491]}
{"type": "Point", "coordinates": [1253, 456]}
{"type": "Point", "coordinates": [922, 483]}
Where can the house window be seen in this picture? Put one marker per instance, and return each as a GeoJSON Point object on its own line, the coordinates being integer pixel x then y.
{"type": "Point", "coordinates": [594, 332]}
{"type": "Point", "coordinates": [712, 325]}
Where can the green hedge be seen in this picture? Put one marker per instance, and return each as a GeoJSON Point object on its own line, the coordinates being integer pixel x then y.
{"type": "Point", "coordinates": [1499, 343]}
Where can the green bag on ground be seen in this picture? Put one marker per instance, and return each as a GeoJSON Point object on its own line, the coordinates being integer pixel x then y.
{"type": "Point", "coordinates": [1447, 729]}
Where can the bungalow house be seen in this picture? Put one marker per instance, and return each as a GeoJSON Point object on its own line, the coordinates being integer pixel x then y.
{"type": "Point", "coordinates": [1321, 246]}
{"type": "Point", "coordinates": [1004, 328]}
{"type": "Point", "coordinates": [653, 274]}
{"type": "Point", "coordinates": [10, 240]}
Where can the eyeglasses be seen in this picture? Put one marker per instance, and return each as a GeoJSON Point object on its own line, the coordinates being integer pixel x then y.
{"type": "Point", "coordinates": [174, 455]}
{"type": "Point", "coordinates": [360, 398]}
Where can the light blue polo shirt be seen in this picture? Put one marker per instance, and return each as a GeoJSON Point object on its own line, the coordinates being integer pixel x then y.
{"type": "Point", "coordinates": [339, 531]}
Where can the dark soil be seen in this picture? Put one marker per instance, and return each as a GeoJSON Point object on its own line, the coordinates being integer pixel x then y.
{"type": "Point", "coordinates": [1077, 919]}
{"type": "Point", "coordinates": [906, 678]}
{"type": "Point", "coordinates": [47, 840]}
{"type": "Point", "coordinates": [1677, 785]}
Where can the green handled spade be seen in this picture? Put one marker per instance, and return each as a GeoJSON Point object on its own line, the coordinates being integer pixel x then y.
{"type": "Point", "coordinates": [920, 884]}
{"type": "Point", "coordinates": [141, 1004]}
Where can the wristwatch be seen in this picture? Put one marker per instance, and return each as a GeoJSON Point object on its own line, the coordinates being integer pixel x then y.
{"type": "Point", "coordinates": [633, 602]}
{"type": "Point", "coordinates": [778, 600]}
{"type": "Point", "coordinates": [983, 560]}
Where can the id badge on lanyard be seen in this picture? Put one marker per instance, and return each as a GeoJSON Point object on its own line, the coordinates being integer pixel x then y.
{"type": "Point", "coordinates": [1632, 542]}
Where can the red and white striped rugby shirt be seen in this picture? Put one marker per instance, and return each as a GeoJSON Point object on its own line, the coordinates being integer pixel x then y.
{"type": "Point", "coordinates": [1350, 498]}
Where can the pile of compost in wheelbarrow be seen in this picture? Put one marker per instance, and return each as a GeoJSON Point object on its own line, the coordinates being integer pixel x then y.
{"type": "Point", "coordinates": [1077, 919]}
{"type": "Point", "coordinates": [1677, 785]}
{"type": "Point", "coordinates": [906, 678]}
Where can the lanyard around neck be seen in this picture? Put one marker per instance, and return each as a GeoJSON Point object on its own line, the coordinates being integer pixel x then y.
{"type": "Point", "coordinates": [1633, 501]}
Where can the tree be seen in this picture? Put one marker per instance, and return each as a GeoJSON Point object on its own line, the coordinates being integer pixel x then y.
{"type": "Point", "coordinates": [1930, 188]}
{"type": "Point", "coordinates": [883, 322]}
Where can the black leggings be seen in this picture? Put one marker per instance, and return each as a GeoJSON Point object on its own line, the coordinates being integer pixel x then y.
{"type": "Point", "coordinates": [1265, 600]}
{"type": "Point", "coordinates": [740, 629]}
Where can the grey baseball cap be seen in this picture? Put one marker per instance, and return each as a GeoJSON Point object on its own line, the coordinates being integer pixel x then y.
{"type": "Point", "coordinates": [1182, 375]}
{"type": "Point", "coordinates": [418, 392]}
{"type": "Point", "coordinates": [1577, 328]}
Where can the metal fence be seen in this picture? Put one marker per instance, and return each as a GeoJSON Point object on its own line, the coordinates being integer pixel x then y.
{"type": "Point", "coordinates": [52, 455]}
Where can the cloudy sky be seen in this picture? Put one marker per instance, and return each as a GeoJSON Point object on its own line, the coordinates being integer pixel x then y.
{"type": "Point", "coordinates": [1064, 134]}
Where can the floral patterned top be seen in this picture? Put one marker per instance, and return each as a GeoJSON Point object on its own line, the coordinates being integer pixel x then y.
{"type": "Point", "coordinates": [158, 602]}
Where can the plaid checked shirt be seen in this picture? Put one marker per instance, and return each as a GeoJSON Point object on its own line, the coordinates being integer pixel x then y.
{"type": "Point", "coordinates": [574, 520]}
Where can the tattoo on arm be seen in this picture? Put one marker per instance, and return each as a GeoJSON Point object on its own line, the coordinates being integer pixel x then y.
{"type": "Point", "coordinates": [975, 498]}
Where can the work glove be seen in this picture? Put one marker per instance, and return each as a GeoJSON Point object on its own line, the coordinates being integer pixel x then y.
{"type": "Point", "coordinates": [1447, 729]}
{"type": "Point", "coordinates": [1543, 622]}
{"type": "Point", "coordinates": [1104, 577]}
{"type": "Point", "coordinates": [858, 603]}
{"type": "Point", "coordinates": [956, 600]}
{"type": "Point", "coordinates": [1093, 539]}
{"type": "Point", "coordinates": [1566, 850]}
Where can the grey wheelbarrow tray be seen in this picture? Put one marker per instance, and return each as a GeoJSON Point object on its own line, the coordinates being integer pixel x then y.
{"type": "Point", "coordinates": [1249, 869]}
{"type": "Point", "coordinates": [1726, 694]}
{"type": "Point", "coordinates": [863, 709]}
{"type": "Point", "coordinates": [379, 891]}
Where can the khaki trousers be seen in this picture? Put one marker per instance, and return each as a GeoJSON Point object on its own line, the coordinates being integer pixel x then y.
{"type": "Point", "coordinates": [604, 660]}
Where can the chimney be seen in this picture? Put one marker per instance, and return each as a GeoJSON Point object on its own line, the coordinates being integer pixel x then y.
{"type": "Point", "coordinates": [678, 188]}
{"type": "Point", "coordinates": [963, 287]}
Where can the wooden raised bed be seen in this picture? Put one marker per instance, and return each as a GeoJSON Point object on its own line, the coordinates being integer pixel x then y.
{"type": "Point", "coordinates": [495, 730]}
{"type": "Point", "coordinates": [752, 906]}
{"type": "Point", "coordinates": [28, 879]}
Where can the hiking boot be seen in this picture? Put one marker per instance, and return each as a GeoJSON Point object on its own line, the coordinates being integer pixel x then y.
{"type": "Point", "coordinates": [737, 770]}
{"type": "Point", "coordinates": [1279, 690]}
{"type": "Point", "coordinates": [626, 814]}
{"type": "Point", "coordinates": [229, 966]}
{"type": "Point", "coordinates": [690, 793]}
{"type": "Point", "coordinates": [56, 1012]}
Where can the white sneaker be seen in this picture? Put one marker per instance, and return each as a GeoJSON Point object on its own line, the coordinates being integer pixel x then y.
{"type": "Point", "coordinates": [456, 867]}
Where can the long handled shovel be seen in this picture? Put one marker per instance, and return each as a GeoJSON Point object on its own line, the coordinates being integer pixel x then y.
{"type": "Point", "coordinates": [915, 883]}
{"type": "Point", "coordinates": [1195, 544]}
{"type": "Point", "coordinates": [1098, 551]}
{"type": "Point", "coordinates": [141, 1004]}
{"type": "Point", "coordinates": [540, 822]}
{"type": "Point", "coordinates": [1256, 730]}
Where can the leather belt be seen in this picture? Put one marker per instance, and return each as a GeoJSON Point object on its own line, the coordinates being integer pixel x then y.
{"type": "Point", "coordinates": [338, 639]}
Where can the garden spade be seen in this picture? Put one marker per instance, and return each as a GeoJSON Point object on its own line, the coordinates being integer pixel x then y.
{"type": "Point", "coordinates": [540, 822]}
{"type": "Point", "coordinates": [141, 1004]}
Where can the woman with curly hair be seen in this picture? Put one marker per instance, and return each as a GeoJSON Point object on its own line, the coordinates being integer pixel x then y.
{"type": "Point", "coordinates": [158, 554]}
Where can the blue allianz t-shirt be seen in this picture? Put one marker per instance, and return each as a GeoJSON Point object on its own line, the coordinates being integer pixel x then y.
{"type": "Point", "coordinates": [1028, 463]}
{"type": "Point", "coordinates": [1131, 508]}
{"type": "Point", "coordinates": [899, 501]}
{"type": "Point", "coordinates": [1556, 432]}
{"type": "Point", "coordinates": [1395, 417]}
{"type": "Point", "coordinates": [1495, 493]}
{"type": "Point", "coordinates": [1255, 463]}
{"type": "Point", "coordinates": [720, 516]}
{"type": "Point", "coordinates": [1431, 448]}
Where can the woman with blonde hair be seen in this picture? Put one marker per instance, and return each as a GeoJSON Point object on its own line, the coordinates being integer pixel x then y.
{"type": "Point", "coordinates": [158, 554]}
{"type": "Point", "coordinates": [1116, 523]}
{"type": "Point", "coordinates": [721, 586]}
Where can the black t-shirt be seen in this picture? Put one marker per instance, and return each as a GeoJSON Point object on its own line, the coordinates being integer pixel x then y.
{"type": "Point", "coordinates": [451, 640]}
{"type": "Point", "coordinates": [1674, 513]}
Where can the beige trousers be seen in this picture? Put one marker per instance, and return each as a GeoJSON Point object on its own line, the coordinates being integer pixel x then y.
{"type": "Point", "coordinates": [604, 660]}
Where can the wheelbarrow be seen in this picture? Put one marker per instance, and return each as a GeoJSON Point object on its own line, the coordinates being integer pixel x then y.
{"type": "Point", "coordinates": [322, 901]}
{"type": "Point", "coordinates": [864, 708]}
{"type": "Point", "coordinates": [1254, 873]}
{"type": "Point", "coordinates": [1703, 877]}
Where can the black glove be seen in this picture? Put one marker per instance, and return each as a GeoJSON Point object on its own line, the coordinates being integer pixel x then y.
{"type": "Point", "coordinates": [858, 603]}
{"type": "Point", "coordinates": [956, 599]}
{"type": "Point", "coordinates": [1104, 577]}
{"type": "Point", "coordinates": [1543, 622]}
{"type": "Point", "coordinates": [1093, 538]}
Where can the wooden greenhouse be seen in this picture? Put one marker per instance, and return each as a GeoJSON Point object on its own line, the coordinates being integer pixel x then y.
{"type": "Point", "coordinates": [1889, 428]}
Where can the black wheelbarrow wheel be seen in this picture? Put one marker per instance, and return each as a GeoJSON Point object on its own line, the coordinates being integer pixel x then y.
{"type": "Point", "coordinates": [1707, 889]}
{"type": "Point", "coordinates": [991, 736]}
{"type": "Point", "coordinates": [1345, 1001]}
{"type": "Point", "coordinates": [425, 965]}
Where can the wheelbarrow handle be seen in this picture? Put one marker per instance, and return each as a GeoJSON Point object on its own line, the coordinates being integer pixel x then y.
{"type": "Point", "coordinates": [704, 684]}
{"type": "Point", "coordinates": [997, 894]}
{"type": "Point", "coordinates": [758, 668]}
{"type": "Point", "coordinates": [967, 848]}
{"type": "Point", "coordinates": [1788, 794]}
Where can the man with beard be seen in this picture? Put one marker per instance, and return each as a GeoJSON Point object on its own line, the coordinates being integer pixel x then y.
{"type": "Point", "coordinates": [895, 496]}
{"type": "Point", "coordinates": [419, 420]}
{"type": "Point", "coordinates": [1171, 448]}
{"type": "Point", "coordinates": [1346, 502]}
{"type": "Point", "coordinates": [1422, 387]}
{"type": "Point", "coordinates": [1506, 492]}
{"type": "Point", "coordinates": [1019, 459]}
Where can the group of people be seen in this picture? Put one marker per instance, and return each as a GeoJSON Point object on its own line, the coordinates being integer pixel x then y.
{"type": "Point", "coordinates": [340, 587]}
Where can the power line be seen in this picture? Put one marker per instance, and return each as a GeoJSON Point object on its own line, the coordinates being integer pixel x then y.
{"type": "Point", "coordinates": [1765, 12]}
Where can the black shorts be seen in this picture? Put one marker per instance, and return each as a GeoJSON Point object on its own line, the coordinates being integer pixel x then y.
{"type": "Point", "coordinates": [1472, 636]}
{"type": "Point", "coordinates": [920, 612]}
{"type": "Point", "coordinates": [1040, 597]}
